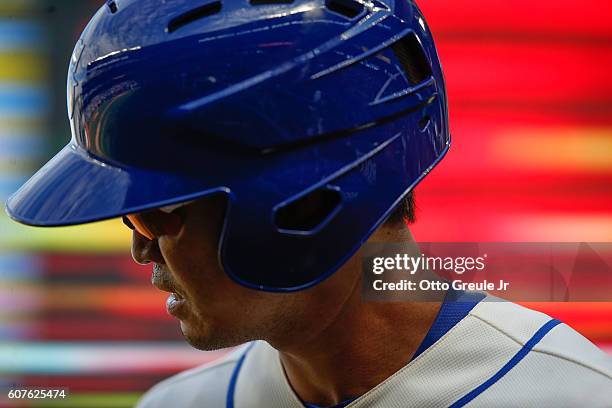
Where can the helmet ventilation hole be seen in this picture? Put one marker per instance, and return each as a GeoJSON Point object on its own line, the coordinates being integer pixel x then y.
{"type": "Point", "coordinates": [411, 56]}
{"type": "Point", "coordinates": [112, 6]}
{"type": "Point", "coordinates": [347, 8]}
{"type": "Point", "coordinates": [193, 15]}
{"type": "Point", "coordinates": [309, 212]}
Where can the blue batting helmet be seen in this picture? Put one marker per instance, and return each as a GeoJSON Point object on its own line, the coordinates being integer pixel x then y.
{"type": "Point", "coordinates": [338, 106]}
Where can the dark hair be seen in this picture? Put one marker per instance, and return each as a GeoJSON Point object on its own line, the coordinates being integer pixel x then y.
{"type": "Point", "coordinates": [404, 212]}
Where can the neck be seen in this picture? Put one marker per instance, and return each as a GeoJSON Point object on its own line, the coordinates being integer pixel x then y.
{"type": "Point", "coordinates": [361, 346]}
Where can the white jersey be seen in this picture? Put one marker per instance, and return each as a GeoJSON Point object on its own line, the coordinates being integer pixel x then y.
{"type": "Point", "coordinates": [498, 355]}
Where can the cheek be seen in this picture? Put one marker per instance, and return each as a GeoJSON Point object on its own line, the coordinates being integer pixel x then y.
{"type": "Point", "coordinates": [195, 268]}
{"type": "Point", "coordinates": [192, 258]}
{"type": "Point", "coordinates": [192, 254]}
{"type": "Point", "coordinates": [189, 264]}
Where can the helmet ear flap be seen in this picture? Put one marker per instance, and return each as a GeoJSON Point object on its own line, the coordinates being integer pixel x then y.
{"type": "Point", "coordinates": [308, 213]}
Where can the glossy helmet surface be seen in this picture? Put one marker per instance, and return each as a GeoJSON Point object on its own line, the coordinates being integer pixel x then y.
{"type": "Point", "coordinates": [339, 105]}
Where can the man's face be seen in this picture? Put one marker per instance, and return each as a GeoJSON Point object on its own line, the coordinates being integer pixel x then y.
{"type": "Point", "coordinates": [213, 310]}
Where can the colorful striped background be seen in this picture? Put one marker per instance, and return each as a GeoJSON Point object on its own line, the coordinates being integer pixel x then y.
{"type": "Point", "coordinates": [530, 109]}
{"type": "Point", "coordinates": [530, 98]}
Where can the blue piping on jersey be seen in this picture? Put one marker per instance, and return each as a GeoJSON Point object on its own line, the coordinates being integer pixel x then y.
{"type": "Point", "coordinates": [455, 307]}
{"type": "Point", "coordinates": [535, 339]}
{"type": "Point", "coordinates": [234, 379]}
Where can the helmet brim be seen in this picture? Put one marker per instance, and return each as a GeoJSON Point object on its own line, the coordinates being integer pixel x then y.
{"type": "Point", "coordinates": [76, 188]}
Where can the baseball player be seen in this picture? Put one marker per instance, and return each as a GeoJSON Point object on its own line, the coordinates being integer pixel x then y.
{"type": "Point", "coordinates": [254, 147]}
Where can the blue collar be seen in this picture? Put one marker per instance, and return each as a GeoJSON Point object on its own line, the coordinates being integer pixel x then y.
{"type": "Point", "coordinates": [456, 305]}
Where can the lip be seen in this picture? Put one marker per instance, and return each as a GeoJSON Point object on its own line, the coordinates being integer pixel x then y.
{"type": "Point", "coordinates": [160, 281]}
{"type": "Point", "coordinates": [169, 289]}
{"type": "Point", "coordinates": [176, 301]}
{"type": "Point", "coordinates": [175, 305]}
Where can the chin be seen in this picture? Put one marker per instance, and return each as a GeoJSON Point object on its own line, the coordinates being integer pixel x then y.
{"type": "Point", "coordinates": [204, 338]}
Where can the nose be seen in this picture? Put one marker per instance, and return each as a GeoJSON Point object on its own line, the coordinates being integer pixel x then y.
{"type": "Point", "coordinates": [145, 251]}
